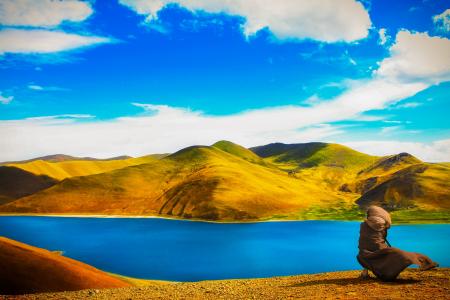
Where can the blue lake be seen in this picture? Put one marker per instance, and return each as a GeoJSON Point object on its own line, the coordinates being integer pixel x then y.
{"type": "Point", "coordinates": [190, 251]}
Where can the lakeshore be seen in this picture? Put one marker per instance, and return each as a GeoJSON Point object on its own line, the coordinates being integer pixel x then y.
{"type": "Point", "coordinates": [128, 216]}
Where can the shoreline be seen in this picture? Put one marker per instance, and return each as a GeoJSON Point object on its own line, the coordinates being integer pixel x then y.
{"type": "Point", "coordinates": [115, 216]}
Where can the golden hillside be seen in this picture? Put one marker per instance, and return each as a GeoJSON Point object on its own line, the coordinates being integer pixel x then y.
{"type": "Point", "coordinates": [196, 182]}
{"type": "Point", "coordinates": [226, 181]}
{"type": "Point", "coordinates": [16, 183]}
{"type": "Point", "coordinates": [61, 167]}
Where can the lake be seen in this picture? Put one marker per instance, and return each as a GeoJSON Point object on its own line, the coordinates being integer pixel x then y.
{"type": "Point", "coordinates": [188, 251]}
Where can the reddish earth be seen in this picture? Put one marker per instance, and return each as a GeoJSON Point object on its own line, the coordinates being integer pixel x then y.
{"type": "Point", "coordinates": [27, 269]}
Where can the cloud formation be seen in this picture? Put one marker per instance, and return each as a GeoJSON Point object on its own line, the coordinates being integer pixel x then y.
{"type": "Point", "coordinates": [442, 21]}
{"type": "Point", "coordinates": [322, 20]}
{"type": "Point", "coordinates": [163, 128]}
{"type": "Point", "coordinates": [417, 57]}
{"type": "Point", "coordinates": [45, 41]}
{"type": "Point", "coordinates": [5, 99]}
{"type": "Point", "coordinates": [383, 37]}
{"type": "Point", "coordinates": [42, 13]}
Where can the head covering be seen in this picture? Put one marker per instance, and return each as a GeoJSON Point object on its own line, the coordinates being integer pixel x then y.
{"type": "Point", "coordinates": [378, 219]}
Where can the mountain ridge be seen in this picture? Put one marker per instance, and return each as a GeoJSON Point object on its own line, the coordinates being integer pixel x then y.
{"type": "Point", "coordinates": [228, 182]}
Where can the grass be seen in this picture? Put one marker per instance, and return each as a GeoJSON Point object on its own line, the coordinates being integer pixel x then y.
{"type": "Point", "coordinates": [418, 216]}
{"type": "Point", "coordinates": [227, 182]}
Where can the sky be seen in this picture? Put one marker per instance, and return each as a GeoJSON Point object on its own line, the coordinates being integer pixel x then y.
{"type": "Point", "coordinates": [132, 77]}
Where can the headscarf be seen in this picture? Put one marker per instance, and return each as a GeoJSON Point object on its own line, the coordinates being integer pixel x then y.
{"type": "Point", "coordinates": [378, 219]}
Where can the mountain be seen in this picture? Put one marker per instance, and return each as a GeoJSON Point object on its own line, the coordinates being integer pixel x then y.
{"type": "Point", "coordinates": [196, 182]}
{"type": "Point", "coordinates": [16, 183]}
{"type": "Point", "coordinates": [389, 164]}
{"type": "Point", "coordinates": [26, 269]}
{"type": "Point", "coordinates": [424, 186]}
{"type": "Point", "coordinates": [61, 168]}
{"type": "Point", "coordinates": [308, 155]}
{"type": "Point", "coordinates": [228, 182]}
{"type": "Point", "coordinates": [63, 157]}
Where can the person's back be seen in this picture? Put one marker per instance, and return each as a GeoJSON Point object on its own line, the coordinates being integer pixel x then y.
{"type": "Point", "coordinates": [371, 239]}
{"type": "Point", "coordinates": [375, 254]}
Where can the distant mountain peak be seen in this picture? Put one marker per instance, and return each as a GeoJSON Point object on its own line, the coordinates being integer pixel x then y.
{"type": "Point", "coordinates": [392, 162]}
{"type": "Point", "coordinates": [64, 157]}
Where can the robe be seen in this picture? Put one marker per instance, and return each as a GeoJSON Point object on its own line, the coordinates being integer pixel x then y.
{"type": "Point", "coordinates": [374, 254]}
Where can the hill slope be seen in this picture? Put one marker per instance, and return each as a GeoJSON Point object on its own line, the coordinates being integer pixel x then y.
{"type": "Point", "coordinates": [16, 183]}
{"type": "Point", "coordinates": [226, 181]}
{"type": "Point", "coordinates": [62, 169]}
{"type": "Point", "coordinates": [27, 269]}
{"type": "Point", "coordinates": [196, 182]}
{"type": "Point", "coordinates": [424, 186]}
{"type": "Point", "coordinates": [310, 155]}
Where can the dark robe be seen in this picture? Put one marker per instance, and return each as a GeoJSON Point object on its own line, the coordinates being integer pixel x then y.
{"type": "Point", "coordinates": [384, 261]}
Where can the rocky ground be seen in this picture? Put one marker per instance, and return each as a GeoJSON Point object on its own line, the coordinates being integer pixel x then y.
{"type": "Point", "coordinates": [412, 284]}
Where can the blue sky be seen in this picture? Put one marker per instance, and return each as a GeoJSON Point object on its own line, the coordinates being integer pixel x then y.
{"type": "Point", "coordinates": [104, 78]}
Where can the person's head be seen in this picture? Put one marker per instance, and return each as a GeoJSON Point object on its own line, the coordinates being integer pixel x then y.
{"type": "Point", "coordinates": [378, 218]}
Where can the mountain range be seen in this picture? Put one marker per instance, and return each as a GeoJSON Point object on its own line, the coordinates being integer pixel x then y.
{"type": "Point", "coordinates": [227, 182]}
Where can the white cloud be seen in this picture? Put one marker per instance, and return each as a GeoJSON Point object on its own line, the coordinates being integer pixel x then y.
{"type": "Point", "coordinates": [168, 129]}
{"type": "Point", "coordinates": [323, 20]}
{"type": "Point", "coordinates": [392, 121]}
{"type": "Point", "coordinates": [389, 129]}
{"type": "Point", "coordinates": [383, 36]}
{"type": "Point", "coordinates": [409, 105]}
{"type": "Point", "coordinates": [42, 13]}
{"type": "Point", "coordinates": [417, 57]}
{"type": "Point", "coordinates": [5, 99]}
{"type": "Point", "coordinates": [442, 21]}
{"type": "Point", "coordinates": [437, 151]}
{"type": "Point", "coordinates": [35, 87]}
{"type": "Point", "coordinates": [57, 119]}
{"type": "Point", "coordinates": [44, 41]}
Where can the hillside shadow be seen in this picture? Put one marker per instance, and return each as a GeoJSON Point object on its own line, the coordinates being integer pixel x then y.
{"type": "Point", "coordinates": [353, 281]}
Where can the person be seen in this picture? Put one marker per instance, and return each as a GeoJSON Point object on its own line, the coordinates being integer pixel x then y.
{"type": "Point", "coordinates": [375, 253]}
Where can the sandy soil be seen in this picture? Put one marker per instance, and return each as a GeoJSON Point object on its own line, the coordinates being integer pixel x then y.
{"type": "Point", "coordinates": [412, 284]}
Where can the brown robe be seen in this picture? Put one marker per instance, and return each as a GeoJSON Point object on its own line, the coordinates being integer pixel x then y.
{"type": "Point", "coordinates": [384, 261]}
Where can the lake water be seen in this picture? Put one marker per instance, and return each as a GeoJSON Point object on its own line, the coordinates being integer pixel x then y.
{"type": "Point", "coordinates": [190, 251]}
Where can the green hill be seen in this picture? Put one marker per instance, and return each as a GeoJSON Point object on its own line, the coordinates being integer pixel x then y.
{"type": "Point", "coordinates": [196, 182]}
{"type": "Point", "coordinates": [228, 182]}
{"type": "Point", "coordinates": [238, 151]}
{"type": "Point", "coordinates": [310, 155]}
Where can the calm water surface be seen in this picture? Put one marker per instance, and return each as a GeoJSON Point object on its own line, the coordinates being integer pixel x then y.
{"type": "Point", "coordinates": [189, 251]}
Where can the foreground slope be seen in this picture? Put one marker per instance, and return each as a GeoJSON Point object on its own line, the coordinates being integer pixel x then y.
{"type": "Point", "coordinates": [27, 269]}
{"type": "Point", "coordinates": [195, 182]}
{"type": "Point", "coordinates": [61, 168]}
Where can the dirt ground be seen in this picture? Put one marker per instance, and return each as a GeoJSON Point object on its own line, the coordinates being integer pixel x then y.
{"type": "Point", "coordinates": [412, 284]}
